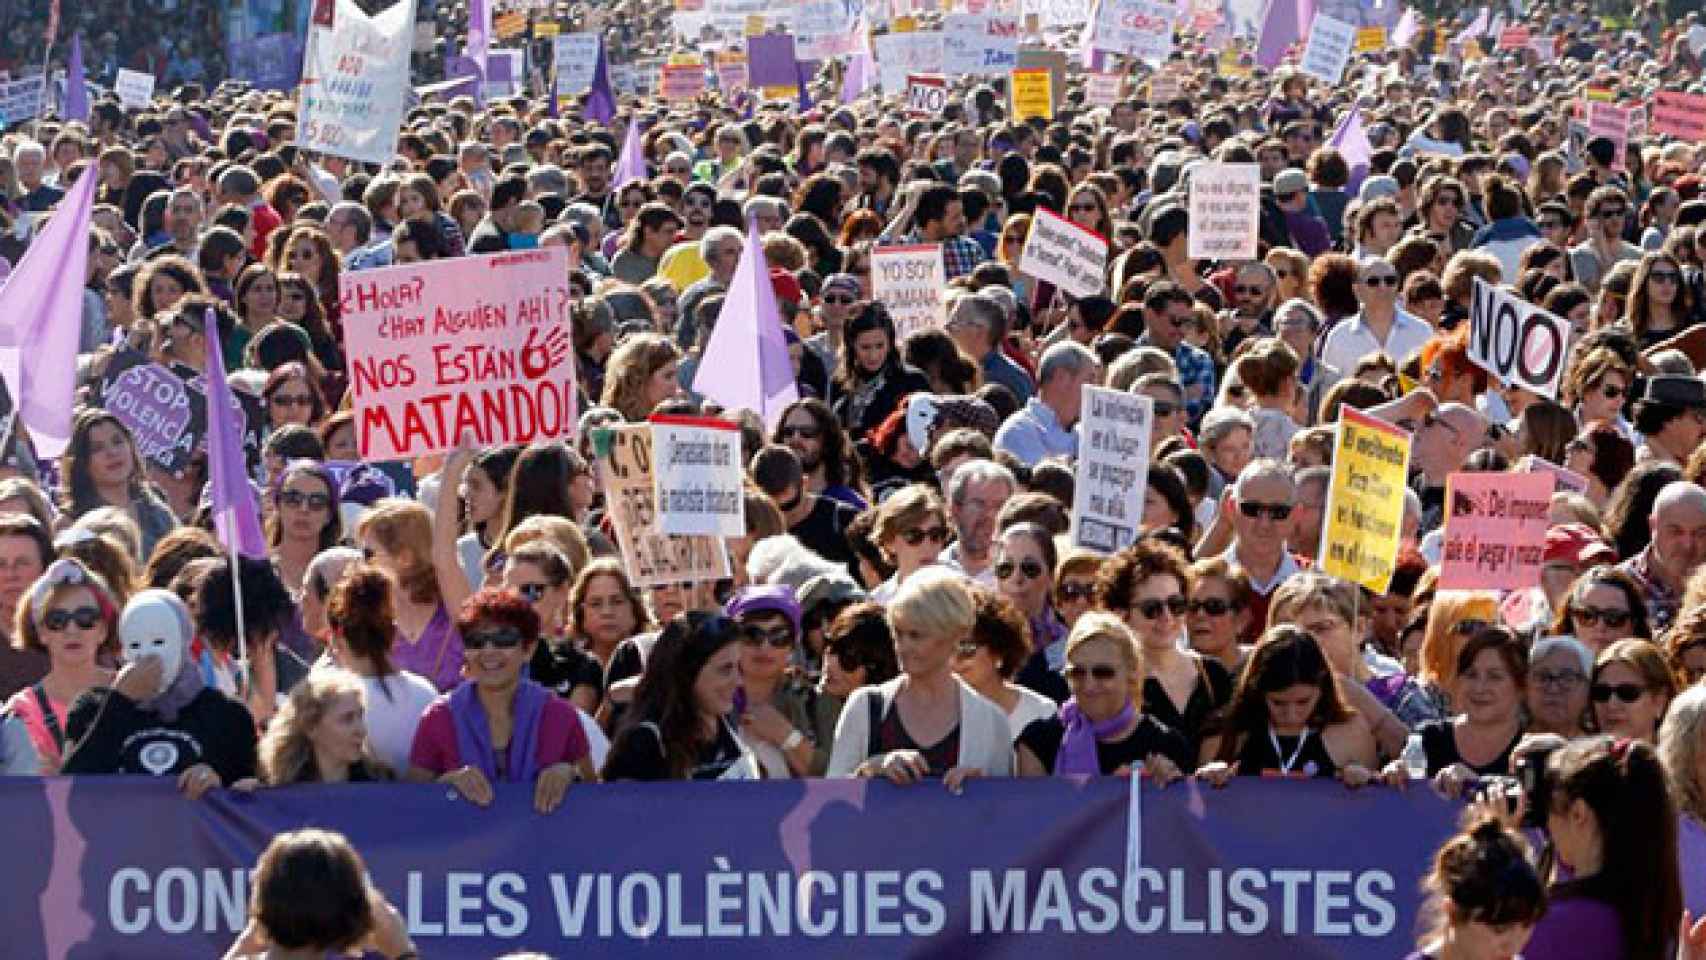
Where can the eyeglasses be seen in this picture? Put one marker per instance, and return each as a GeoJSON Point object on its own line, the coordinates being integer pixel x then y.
{"type": "Point", "coordinates": [1214, 607]}
{"type": "Point", "coordinates": [918, 535]}
{"type": "Point", "coordinates": [1077, 673]}
{"type": "Point", "coordinates": [782, 638]}
{"type": "Point", "coordinates": [1626, 692]}
{"type": "Point", "coordinates": [1079, 207]}
{"type": "Point", "coordinates": [1593, 616]}
{"type": "Point", "coordinates": [1559, 679]}
{"type": "Point", "coordinates": [1665, 276]}
{"type": "Point", "coordinates": [532, 592]}
{"type": "Point", "coordinates": [1074, 590]}
{"type": "Point", "coordinates": [806, 432]}
{"type": "Point", "coordinates": [1151, 609]}
{"type": "Point", "coordinates": [1381, 280]}
{"type": "Point", "coordinates": [296, 500]}
{"type": "Point", "coordinates": [1448, 200]}
{"type": "Point", "coordinates": [1273, 511]}
{"type": "Point", "coordinates": [1245, 291]}
{"type": "Point", "coordinates": [1030, 568]}
{"type": "Point", "coordinates": [86, 618]}
{"type": "Point", "coordinates": [503, 638]}
{"type": "Point", "coordinates": [966, 649]}
{"type": "Point", "coordinates": [838, 301]}
{"type": "Point", "coordinates": [1611, 392]}
{"type": "Point", "coordinates": [1612, 213]}
{"type": "Point", "coordinates": [1469, 627]}
{"type": "Point", "coordinates": [1551, 224]}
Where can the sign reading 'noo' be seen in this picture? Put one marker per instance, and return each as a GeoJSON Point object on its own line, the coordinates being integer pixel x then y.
{"type": "Point", "coordinates": [1515, 341]}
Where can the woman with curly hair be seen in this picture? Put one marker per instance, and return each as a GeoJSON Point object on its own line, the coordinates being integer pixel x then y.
{"type": "Point", "coordinates": [990, 657]}
{"type": "Point", "coordinates": [320, 734]}
{"type": "Point", "coordinates": [643, 372]}
{"type": "Point", "coordinates": [308, 251]}
{"type": "Point", "coordinates": [1332, 285]}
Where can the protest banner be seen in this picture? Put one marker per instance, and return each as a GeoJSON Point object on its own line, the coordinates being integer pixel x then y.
{"type": "Point", "coordinates": [1329, 49]}
{"type": "Point", "coordinates": [1140, 29]}
{"type": "Point", "coordinates": [1516, 341]}
{"type": "Point", "coordinates": [909, 281]}
{"type": "Point", "coordinates": [625, 467]}
{"type": "Point", "coordinates": [1032, 57]}
{"type": "Point", "coordinates": [1564, 480]}
{"type": "Point", "coordinates": [1495, 530]}
{"type": "Point", "coordinates": [1681, 115]}
{"type": "Point", "coordinates": [134, 88]}
{"type": "Point", "coordinates": [825, 868]}
{"type": "Point", "coordinates": [1103, 89]}
{"type": "Point", "coordinates": [1225, 211]}
{"type": "Point", "coordinates": [900, 55]}
{"type": "Point", "coordinates": [1065, 254]}
{"type": "Point", "coordinates": [1364, 515]}
{"type": "Point", "coordinates": [442, 347]}
{"type": "Point", "coordinates": [697, 476]}
{"type": "Point", "coordinates": [1165, 88]}
{"type": "Point", "coordinates": [576, 56]}
{"type": "Point", "coordinates": [1031, 94]}
{"type": "Point", "coordinates": [547, 28]}
{"type": "Point", "coordinates": [1514, 38]}
{"type": "Point", "coordinates": [1113, 468]}
{"type": "Point", "coordinates": [770, 60]}
{"type": "Point", "coordinates": [926, 95]}
{"type": "Point", "coordinates": [681, 81]}
{"type": "Point", "coordinates": [731, 70]}
{"type": "Point", "coordinates": [355, 83]}
{"type": "Point", "coordinates": [506, 69]}
{"type": "Point", "coordinates": [1611, 121]}
{"type": "Point", "coordinates": [1371, 39]}
{"type": "Point", "coordinates": [270, 62]}
{"type": "Point", "coordinates": [824, 29]}
{"type": "Point", "coordinates": [156, 405]}
{"type": "Point", "coordinates": [979, 44]}
{"type": "Point", "coordinates": [20, 100]}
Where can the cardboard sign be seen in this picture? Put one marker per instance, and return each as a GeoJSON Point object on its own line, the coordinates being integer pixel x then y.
{"type": "Point", "coordinates": [1516, 341]}
{"type": "Point", "coordinates": [1364, 515]}
{"type": "Point", "coordinates": [926, 95]}
{"type": "Point", "coordinates": [1031, 97]}
{"type": "Point", "coordinates": [1329, 49]}
{"type": "Point", "coordinates": [135, 88]}
{"type": "Point", "coordinates": [900, 55]}
{"type": "Point", "coordinates": [979, 44]}
{"type": "Point", "coordinates": [1165, 88]}
{"type": "Point", "coordinates": [1065, 254]}
{"type": "Point", "coordinates": [576, 56]}
{"type": "Point", "coordinates": [1103, 89]}
{"type": "Point", "coordinates": [475, 343]}
{"type": "Point", "coordinates": [1371, 40]}
{"type": "Point", "coordinates": [355, 83]}
{"type": "Point", "coordinates": [648, 554]}
{"type": "Point", "coordinates": [1113, 468]}
{"type": "Point", "coordinates": [731, 70]}
{"type": "Point", "coordinates": [681, 81]}
{"type": "Point", "coordinates": [1225, 212]}
{"type": "Point", "coordinates": [1141, 29]}
{"type": "Point", "coordinates": [156, 405]}
{"type": "Point", "coordinates": [909, 280]}
{"type": "Point", "coordinates": [697, 476]}
{"type": "Point", "coordinates": [1681, 115]}
{"type": "Point", "coordinates": [1495, 530]}
{"type": "Point", "coordinates": [1611, 121]}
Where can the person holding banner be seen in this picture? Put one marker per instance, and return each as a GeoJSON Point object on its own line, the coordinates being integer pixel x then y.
{"type": "Point", "coordinates": [678, 727]}
{"type": "Point", "coordinates": [1492, 673]}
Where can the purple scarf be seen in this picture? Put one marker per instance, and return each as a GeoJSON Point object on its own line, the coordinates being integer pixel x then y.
{"type": "Point", "coordinates": [1078, 747]}
{"type": "Point", "coordinates": [474, 734]}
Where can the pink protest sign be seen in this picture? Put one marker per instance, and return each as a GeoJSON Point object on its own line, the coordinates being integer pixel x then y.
{"type": "Point", "coordinates": [1611, 121]}
{"type": "Point", "coordinates": [1495, 530]}
{"type": "Point", "coordinates": [473, 344]}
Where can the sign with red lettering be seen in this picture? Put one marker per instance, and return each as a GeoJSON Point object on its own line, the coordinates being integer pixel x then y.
{"type": "Point", "coordinates": [447, 346]}
{"type": "Point", "coordinates": [1682, 115]}
{"type": "Point", "coordinates": [925, 94]}
{"type": "Point", "coordinates": [1514, 38]}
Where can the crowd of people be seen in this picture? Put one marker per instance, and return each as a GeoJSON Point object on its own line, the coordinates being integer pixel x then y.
{"type": "Point", "coordinates": [907, 603]}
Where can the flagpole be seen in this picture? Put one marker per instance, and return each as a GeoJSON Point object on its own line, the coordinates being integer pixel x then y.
{"type": "Point", "coordinates": [242, 632]}
{"type": "Point", "coordinates": [46, 61]}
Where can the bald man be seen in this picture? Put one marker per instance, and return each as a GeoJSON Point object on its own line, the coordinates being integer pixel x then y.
{"type": "Point", "coordinates": [1678, 546]}
{"type": "Point", "coordinates": [1443, 440]}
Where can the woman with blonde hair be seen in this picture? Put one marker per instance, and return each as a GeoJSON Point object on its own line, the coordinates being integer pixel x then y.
{"type": "Point", "coordinates": [912, 528]}
{"type": "Point", "coordinates": [642, 373]}
{"type": "Point", "coordinates": [1682, 751]}
{"type": "Point", "coordinates": [70, 615]}
{"type": "Point", "coordinates": [398, 536]}
{"type": "Point", "coordinates": [320, 734]}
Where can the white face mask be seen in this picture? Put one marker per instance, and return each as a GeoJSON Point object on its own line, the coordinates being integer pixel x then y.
{"type": "Point", "coordinates": [155, 624]}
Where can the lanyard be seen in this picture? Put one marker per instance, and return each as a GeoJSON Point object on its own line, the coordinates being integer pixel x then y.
{"type": "Point", "coordinates": [1286, 765]}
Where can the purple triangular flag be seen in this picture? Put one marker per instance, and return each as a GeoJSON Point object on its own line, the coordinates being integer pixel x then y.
{"type": "Point", "coordinates": [601, 98]}
{"type": "Point", "coordinates": [1350, 138]}
{"type": "Point", "coordinates": [235, 515]}
{"type": "Point", "coordinates": [631, 165]}
{"type": "Point", "coordinates": [1408, 26]}
{"type": "Point", "coordinates": [745, 365]}
{"type": "Point", "coordinates": [858, 77]}
{"type": "Point", "coordinates": [1283, 25]}
{"type": "Point", "coordinates": [41, 307]}
{"type": "Point", "coordinates": [76, 87]}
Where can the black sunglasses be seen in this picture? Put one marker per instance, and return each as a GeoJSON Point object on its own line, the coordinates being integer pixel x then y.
{"type": "Point", "coordinates": [918, 535]}
{"type": "Point", "coordinates": [1214, 606]}
{"type": "Point", "coordinates": [296, 499]}
{"type": "Point", "coordinates": [1030, 568]}
{"type": "Point", "coordinates": [86, 618]}
{"type": "Point", "coordinates": [1151, 609]}
{"type": "Point", "coordinates": [531, 592]}
{"type": "Point", "coordinates": [1626, 692]}
{"type": "Point", "coordinates": [1273, 511]}
{"type": "Point", "coordinates": [1593, 616]}
{"type": "Point", "coordinates": [782, 638]}
{"type": "Point", "coordinates": [503, 638]}
{"type": "Point", "coordinates": [1076, 674]}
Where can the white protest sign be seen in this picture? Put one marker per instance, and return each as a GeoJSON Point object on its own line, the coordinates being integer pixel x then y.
{"type": "Point", "coordinates": [1065, 254]}
{"type": "Point", "coordinates": [1515, 341]}
{"type": "Point", "coordinates": [926, 95]}
{"type": "Point", "coordinates": [625, 465]}
{"type": "Point", "coordinates": [1103, 89]}
{"type": "Point", "coordinates": [505, 80]}
{"type": "Point", "coordinates": [1330, 44]}
{"type": "Point", "coordinates": [1225, 212]}
{"type": "Point", "coordinates": [697, 476]}
{"type": "Point", "coordinates": [901, 54]}
{"type": "Point", "coordinates": [576, 56]}
{"type": "Point", "coordinates": [1113, 468]}
{"type": "Point", "coordinates": [824, 29]}
{"type": "Point", "coordinates": [20, 100]}
{"type": "Point", "coordinates": [1136, 28]}
{"type": "Point", "coordinates": [909, 281]}
{"type": "Point", "coordinates": [355, 83]}
{"type": "Point", "coordinates": [134, 88]}
{"type": "Point", "coordinates": [979, 44]}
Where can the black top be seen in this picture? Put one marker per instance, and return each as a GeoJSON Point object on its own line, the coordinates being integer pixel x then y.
{"type": "Point", "coordinates": [1212, 691]}
{"type": "Point", "coordinates": [1440, 745]}
{"type": "Point", "coordinates": [110, 733]}
{"type": "Point", "coordinates": [1149, 737]}
{"type": "Point", "coordinates": [1038, 676]}
{"type": "Point", "coordinates": [1309, 759]}
{"type": "Point", "coordinates": [824, 530]}
{"type": "Point", "coordinates": [892, 735]}
{"type": "Point", "coordinates": [637, 754]}
{"type": "Point", "coordinates": [560, 668]}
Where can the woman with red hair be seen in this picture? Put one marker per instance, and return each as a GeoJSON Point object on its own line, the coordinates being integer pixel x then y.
{"type": "Point", "coordinates": [1448, 371]}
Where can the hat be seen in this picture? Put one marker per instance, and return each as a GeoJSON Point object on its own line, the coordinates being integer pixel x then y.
{"type": "Point", "coordinates": [786, 286]}
{"type": "Point", "coordinates": [845, 282]}
{"type": "Point", "coordinates": [1676, 391]}
{"type": "Point", "coordinates": [1378, 186]}
{"type": "Point", "coordinates": [1289, 181]}
{"type": "Point", "coordinates": [1576, 543]}
{"type": "Point", "coordinates": [828, 588]}
{"type": "Point", "coordinates": [770, 597]}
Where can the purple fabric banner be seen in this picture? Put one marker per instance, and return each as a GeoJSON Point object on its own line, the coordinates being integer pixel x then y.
{"type": "Point", "coordinates": [271, 62]}
{"type": "Point", "coordinates": [1013, 868]}
{"type": "Point", "coordinates": [770, 61]}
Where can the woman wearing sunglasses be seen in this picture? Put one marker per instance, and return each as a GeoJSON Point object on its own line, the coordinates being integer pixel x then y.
{"type": "Point", "coordinates": [912, 529]}
{"type": "Point", "coordinates": [770, 708]}
{"type": "Point", "coordinates": [1148, 586]}
{"type": "Point", "coordinates": [1660, 304]}
{"type": "Point", "coordinates": [678, 727]}
{"type": "Point", "coordinates": [1452, 618]}
{"type": "Point", "coordinates": [539, 572]}
{"type": "Point", "coordinates": [496, 726]}
{"type": "Point", "coordinates": [991, 656]}
{"type": "Point", "coordinates": [1604, 605]}
{"type": "Point", "coordinates": [1632, 686]}
{"type": "Point", "coordinates": [1218, 616]}
{"type": "Point", "coordinates": [1024, 572]}
{"type": "Point", "coordinates": [1103, 729]}
{"type": "Point", "coordinates": [304, 520]}
{"type": "Point", "coordinates": [68, 614]}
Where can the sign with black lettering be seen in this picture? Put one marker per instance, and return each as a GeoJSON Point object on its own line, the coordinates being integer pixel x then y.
{"type": "Point", "coordinates": [1516, 341]}
{"type": "Point", "coordinates": [926, 94]}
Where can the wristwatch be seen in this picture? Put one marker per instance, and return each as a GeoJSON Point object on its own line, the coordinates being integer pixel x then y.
{"type": "Point", "coordinates": [794, 739]}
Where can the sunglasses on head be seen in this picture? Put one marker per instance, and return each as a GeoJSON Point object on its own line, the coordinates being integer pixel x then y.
{"type": "Point", "coordinates": [1030, 568]}
{"type": "Point", "coordinates": [1626, 692]}
{"type": "Point", "coordinates": [1593, 616]}
{"type": "Point", "coordinates": [1076, 673]}
{"type": "Point", "coordinates": [1151, 609]}
{"type": "Point", "coordinates": [503, 638]}
{"type": "Point", "coordinates": [1273, 511]}
{"type": "Point", "coordinates": [296, 499]}
{"type": "Point", "coordinates": [918, 535]}
{"type": "Point", "coordinates": [86, 618]}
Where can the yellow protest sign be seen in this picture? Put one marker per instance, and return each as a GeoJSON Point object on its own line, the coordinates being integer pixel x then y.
{"type": "Point", "coordinates": [547, 28]}
{"type": "Point", "coordinates": [1232, 65]}
{"type": "Point", "coordinates": [1371, 40]}
{"type": "Point", "coordinates": [1031, 97]}
{"type": "Point", "coordinates": [904, 25]}
{"type": "Point", "coordinates": [510, 25]}
{"type": "Point", "coordinates": [1365, 503]}
{"type": "Point", "coordinates": [754, 25]}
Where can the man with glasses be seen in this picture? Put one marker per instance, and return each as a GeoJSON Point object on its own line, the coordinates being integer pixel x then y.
{"type": "Point", "coordinates": [976, 492]}
{"type": "Point", "coordinates": [1259, 506]}
{"type": "Point", "coordinates": [1252, 304]}
{"type": "Point", "coordinates": [1166, 310]}
{"type": "Point", "coordinates": [1607, 215]}
{"type": "Point", "coordinates": [720, 249]}
{"type": "Point", "coordinates": [1381, 326]}
{"type": "Point", "coordinates": [1444, 439]}
{"type": "Point", "coordinates": [1663, 567]}
{"type": "Point", "coordinates": [1556, 223]}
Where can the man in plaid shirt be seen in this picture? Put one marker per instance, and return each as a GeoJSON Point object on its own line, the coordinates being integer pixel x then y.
{"type": "Point", "coordinates": [939, 218]}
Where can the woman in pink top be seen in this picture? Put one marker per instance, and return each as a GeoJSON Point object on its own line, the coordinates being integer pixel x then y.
{"type": "Point", "coordinates": [497, 726]}
{"type": "Point", "coordinates": [69, 614]}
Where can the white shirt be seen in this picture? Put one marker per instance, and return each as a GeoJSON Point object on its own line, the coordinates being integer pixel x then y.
{"type": "Point", "coordinates": [1032, 706]}
{"type": "Point", "coordinates": [1352, 339]}
{"type": "Point", "coordinates": [393, 713]}
{"type": "Point", "coordinates": [1287, 567]}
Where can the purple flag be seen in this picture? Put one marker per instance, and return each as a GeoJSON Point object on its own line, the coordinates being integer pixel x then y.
{"type": "Point", "coordinates": [41, 307]}
{"type": "Point", "coordinates": [631, 165]}
{"type": "Point", "coordinates": [235, 515]}
{"type": "Point", "coordinates": [76, 89]}
{"type": "Point", "coordinates": [802, 79]}
{"type": "Point", "coordinates": [1285, 23]}
{"type": "Point", "coordinates": [479, 31]}
{"type": "Point", "coordinates": [745, 365]}
{"type": "Point", "coordinates": [858, 77]}
{"type": "Point", "coordinates": [1350, 138]}
{"type": "Point", "coordinates": [600, 99]}
{"type": "Point", "coordinates": [1406, 30]}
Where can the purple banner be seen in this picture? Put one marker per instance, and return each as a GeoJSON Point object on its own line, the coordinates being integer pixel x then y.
{"type": "Point", "coordinates": [271, 62]}
{"type": "Point", "coordinates": [155, 404]}
{"type": "Point", "coordinates": [1013, 868]}
{"type": "Point", "coordinates": [770, 61]}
